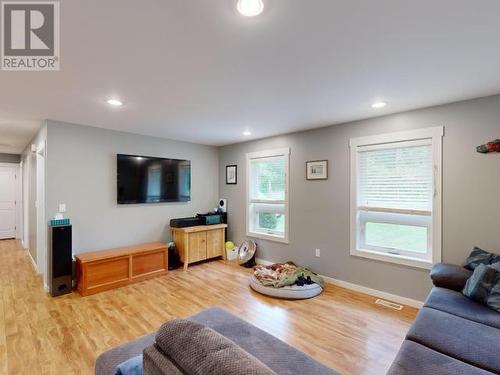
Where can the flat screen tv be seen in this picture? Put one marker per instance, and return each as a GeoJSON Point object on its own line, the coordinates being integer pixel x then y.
{"type": "Point", "coordinates": [142, 179]}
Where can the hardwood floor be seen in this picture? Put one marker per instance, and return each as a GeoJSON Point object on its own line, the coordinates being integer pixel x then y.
{"type": "Point", "coordinates": [64, 335]}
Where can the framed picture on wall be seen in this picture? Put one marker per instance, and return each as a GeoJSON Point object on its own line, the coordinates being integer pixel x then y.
{"type": "Point", "coordinates": [317, 170]}
{"type": "Point", "coordinates": [231, 174]}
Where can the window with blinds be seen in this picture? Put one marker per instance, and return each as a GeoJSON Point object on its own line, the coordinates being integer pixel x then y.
{"type": "Point", "coordinates": [267, 194]}
{"type": "Point", "coordinates": [396, 177]}
{"type": "Point", "coordinates": [395, 195]}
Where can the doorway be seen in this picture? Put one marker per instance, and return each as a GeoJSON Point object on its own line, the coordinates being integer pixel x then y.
{"type": "Point", "coordinates": [8, 200]}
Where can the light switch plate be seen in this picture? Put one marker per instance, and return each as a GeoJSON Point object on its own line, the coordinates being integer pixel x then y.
{"type": "Point", "coordinates": [62, 207]}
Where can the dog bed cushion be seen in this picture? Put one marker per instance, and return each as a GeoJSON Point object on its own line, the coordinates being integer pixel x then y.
{"type": "Point", "coordinates": [287, 292]}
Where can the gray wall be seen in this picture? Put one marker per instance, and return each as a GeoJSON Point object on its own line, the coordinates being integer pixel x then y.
{"type": "Point", "coordinates": [319, 210]}
{"type": "Point", "coordinates": [10, 158]}
{"type": "Point", "coordinates": [81, 172]}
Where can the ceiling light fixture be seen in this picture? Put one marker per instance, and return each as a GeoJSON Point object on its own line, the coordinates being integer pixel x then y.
{"type": "Point", "coordinates": [378, 105]}
{"type": "Point", "coordinates": [114, 102]}
{"type": "Point", "coordinates": [250, 8]}
{"type": "Point", "coordinates": [246, 133]}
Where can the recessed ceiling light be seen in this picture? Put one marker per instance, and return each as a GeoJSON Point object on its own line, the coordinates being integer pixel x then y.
{"type": "Point", "coordinates": [114, 102]}
{"type": "Point", "coordinates": [379, 105]}
{"type": "Point", "coordinates": [250, 8]}
{"type": "Point", "coordinates": [247, 133]}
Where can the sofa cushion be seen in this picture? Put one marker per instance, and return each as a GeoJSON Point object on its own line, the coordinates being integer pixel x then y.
{"type": "Point", "coordinates": [449, 276]}
{"type": "Point", "coordinates": [479, 256]}
{"type": "Point", "coordinates": [471, 342]}
{"type": "Point", "coordinates": [457, 304]}
{"type": "Point", "coordinates": [156, 362]}
{"type": "Point", "coordinates": [199, 350]}
{"type": "Point", "coordinates": [416, 359]}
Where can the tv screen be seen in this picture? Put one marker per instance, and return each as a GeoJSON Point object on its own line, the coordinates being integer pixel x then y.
{"type": "Point", "coordinates": [142, 179]}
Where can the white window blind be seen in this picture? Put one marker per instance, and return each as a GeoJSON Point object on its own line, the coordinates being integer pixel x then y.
{"type": "Point", "coordinates": [397, 177]}
{"type": "Point", "coordinates": [268, 179]}
{"type": "Point", "coordinates": [267, 195]}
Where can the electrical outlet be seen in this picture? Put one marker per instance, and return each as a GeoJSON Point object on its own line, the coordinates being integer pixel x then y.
{"type": "Point", "coordinates": [62, 207]}
{"type": "Point", "coordinates": [318, 253]}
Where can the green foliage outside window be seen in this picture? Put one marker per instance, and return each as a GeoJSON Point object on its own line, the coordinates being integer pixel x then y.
{"type": "Point", "coordinates": [271, 181]}
{"type": "Point", "coordinates": [267, 220]}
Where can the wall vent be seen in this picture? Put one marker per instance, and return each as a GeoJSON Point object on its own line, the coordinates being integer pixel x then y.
{"type": "Point", "coordinates": [388, 304]}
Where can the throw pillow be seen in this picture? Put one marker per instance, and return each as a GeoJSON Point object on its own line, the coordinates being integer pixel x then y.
{"type": "Point", "coordinates": [484, 286]}
{"type": "Point", "coordinates": [479, 256]}
{"type": "Point", "coordinates": [494, 298]}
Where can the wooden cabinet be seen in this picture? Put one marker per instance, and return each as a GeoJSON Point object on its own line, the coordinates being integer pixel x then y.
{"type": "Point", "coordinates": [199, 243]}
{"type": "Point", "coordinates": [109, 269]}
{"type": "Point", "coordinates": [215, 243]}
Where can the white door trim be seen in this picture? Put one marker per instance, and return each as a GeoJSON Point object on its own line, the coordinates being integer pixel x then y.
{"type": "Point", "coordinates": [25, 192]}
{"type": "Point", "coordinates": [20, 203]}
{"type": "Point", "coordinates": [41, 228]}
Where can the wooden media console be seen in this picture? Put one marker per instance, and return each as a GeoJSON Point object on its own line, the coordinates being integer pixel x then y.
{"type": "Point", "coordinates": [108, 269]}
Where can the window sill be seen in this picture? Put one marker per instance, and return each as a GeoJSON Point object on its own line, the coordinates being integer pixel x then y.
{"type": "Point", "coordinates": [269, 237]}
{"type": "Point", "coordinates": [393, 258]}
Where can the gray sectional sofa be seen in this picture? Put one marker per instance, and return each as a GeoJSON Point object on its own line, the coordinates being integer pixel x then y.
{"type": "Point", "coordinates": [451, 334]}
{"type": "Point", "coordinates": [278, 356]}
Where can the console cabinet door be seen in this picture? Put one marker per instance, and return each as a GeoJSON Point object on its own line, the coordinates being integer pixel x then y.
{"type": "Point", "coordinates": [197, 246]}
{"type": "Point", "coordinates": [215, 243]}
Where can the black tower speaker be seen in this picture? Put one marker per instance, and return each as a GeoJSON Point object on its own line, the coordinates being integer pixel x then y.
{"type": "Point", "coordinates": [60, 260]}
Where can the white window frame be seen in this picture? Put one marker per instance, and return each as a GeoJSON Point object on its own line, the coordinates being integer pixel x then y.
{"type": "Point", "coordinates": [357, 247]}
{"type": "Point", "coordinates": [284, 152]}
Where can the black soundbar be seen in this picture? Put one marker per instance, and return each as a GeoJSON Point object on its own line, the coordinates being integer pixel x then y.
{"type": "Point", "coordinates": [186, 222]}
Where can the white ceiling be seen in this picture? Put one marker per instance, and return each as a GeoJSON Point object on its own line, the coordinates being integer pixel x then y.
{"type": "Point", "coordinates": [196, 70]}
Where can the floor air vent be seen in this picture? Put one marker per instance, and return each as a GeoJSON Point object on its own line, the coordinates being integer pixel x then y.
{"type": "Point", "coordinates": [388, 304]}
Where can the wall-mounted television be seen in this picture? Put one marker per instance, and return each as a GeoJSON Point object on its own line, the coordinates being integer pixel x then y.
{"type": "Point", "coordinates": [144, 179]}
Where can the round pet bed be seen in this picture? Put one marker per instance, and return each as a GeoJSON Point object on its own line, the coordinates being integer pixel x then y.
{"type": "Point", "coordinates": [287, 292]}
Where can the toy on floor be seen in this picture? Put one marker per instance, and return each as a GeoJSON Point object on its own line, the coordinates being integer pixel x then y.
{"type": "Point", "coordinates": [231, 251]}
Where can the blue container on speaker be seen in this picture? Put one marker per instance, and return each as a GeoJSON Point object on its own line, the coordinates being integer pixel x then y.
{"type": "Point", "coordinates": [59, 222]}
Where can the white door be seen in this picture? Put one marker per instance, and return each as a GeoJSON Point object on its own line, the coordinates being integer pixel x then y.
{"type": "Point", "coordinates": [8, 186]}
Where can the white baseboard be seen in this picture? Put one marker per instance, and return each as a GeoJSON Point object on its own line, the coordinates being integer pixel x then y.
{"type": "Point", "coordinates": [374, 292]}
{"type": "Point", "coordinates": [33, 263]}
{"type": "Point", "coordinates": [263, 262]}
{"type": "Point", "coordinates": [363, 289]}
